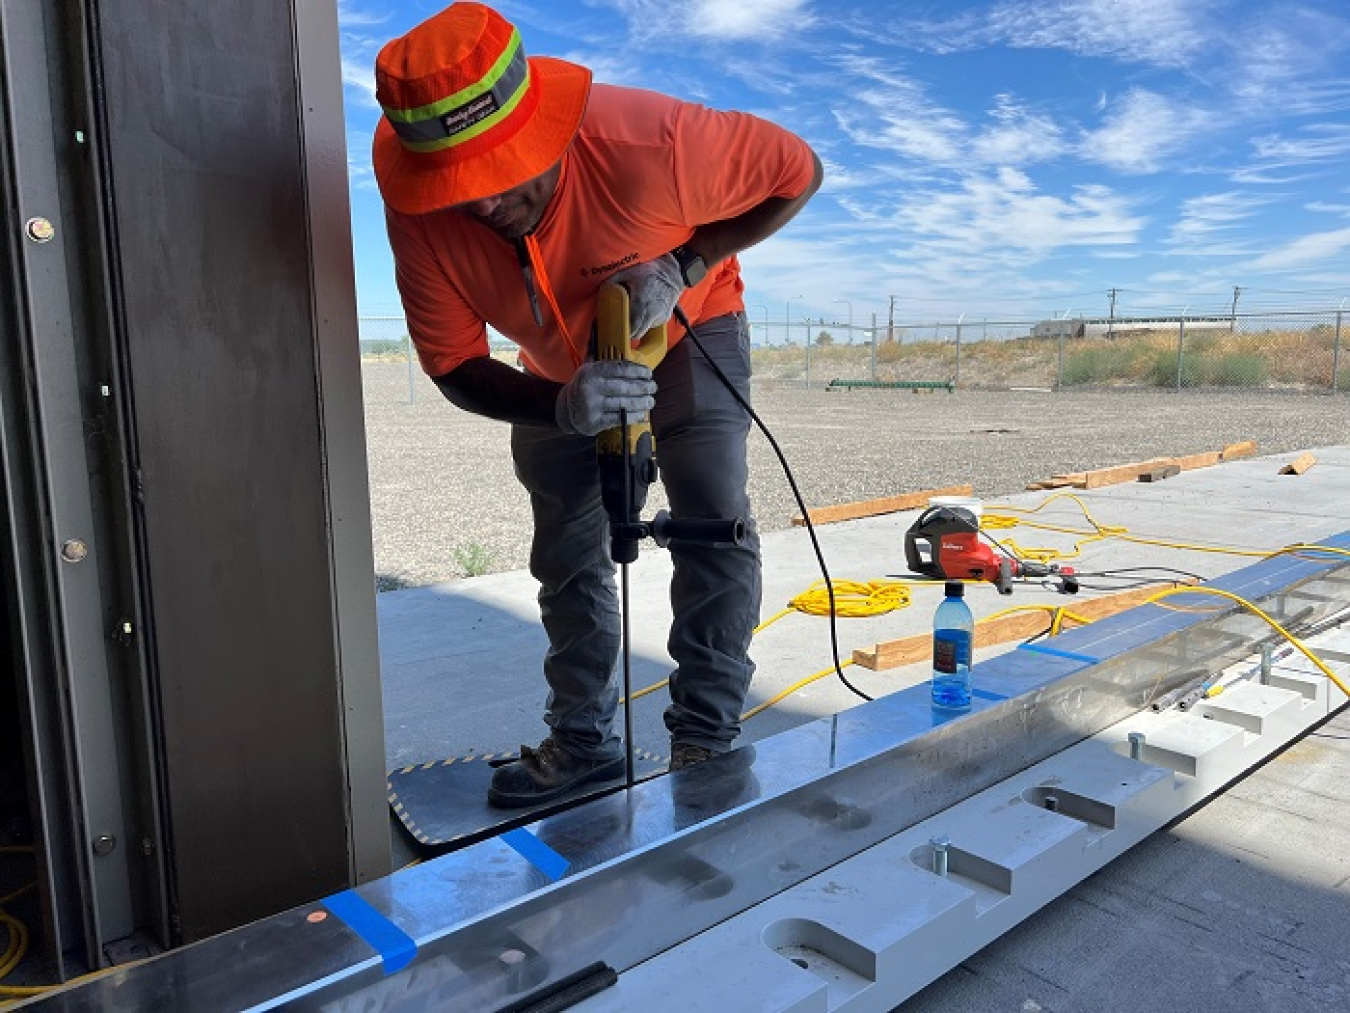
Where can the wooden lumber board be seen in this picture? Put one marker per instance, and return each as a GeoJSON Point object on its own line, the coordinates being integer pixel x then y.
{"type": "Point", "coordinates": [1192, 461]}
{"type": "Point", "coordinates": [1122, 473]}
{"type": "Point", "coordinates": [872, 507]}
{"type": "Point", "coordinates": [1299, 464]}
{"type": "Point", "coordinates": [1245, 448]}
{"type": "Point", "coordinates": [1059, 482]}
{"type": "Point", "coordinates": [1099, 477]}
{"type": "Point", "coordinates": [1018, 626]}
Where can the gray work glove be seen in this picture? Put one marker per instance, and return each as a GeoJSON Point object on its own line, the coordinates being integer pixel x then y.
{"type": "Point", "coordinates": [591, 401]}
{"type": "Point", "coordinates": [653, 290]}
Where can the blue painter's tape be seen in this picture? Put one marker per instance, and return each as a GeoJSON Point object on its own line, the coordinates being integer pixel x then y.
{"type": "Point", "coordinates": [537, 853]}
{"type": "Point", "coordinates": [1053, 652]}
{"type": "Point", "coordinates": [395, 947]}
{"type": "Point", "coordinates": [985, 694]}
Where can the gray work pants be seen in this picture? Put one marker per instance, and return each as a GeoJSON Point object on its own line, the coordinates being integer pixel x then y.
{"type": "Point", "coordinates": [700, 433]}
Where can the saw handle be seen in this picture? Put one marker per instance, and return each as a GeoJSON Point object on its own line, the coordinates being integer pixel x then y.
{"type": "Point", "coordinates": [613, 340]}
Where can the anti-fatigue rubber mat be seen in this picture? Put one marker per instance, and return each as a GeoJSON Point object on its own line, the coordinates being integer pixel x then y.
{"type": "Point", "coordinates": [445, 801]}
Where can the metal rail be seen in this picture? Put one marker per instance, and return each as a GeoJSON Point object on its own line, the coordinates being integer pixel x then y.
{"type": "Point", "coordinates": [655, 866]}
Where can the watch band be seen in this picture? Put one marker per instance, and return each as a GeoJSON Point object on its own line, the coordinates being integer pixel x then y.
{"type": "Point", "coordinates": [692, 268]}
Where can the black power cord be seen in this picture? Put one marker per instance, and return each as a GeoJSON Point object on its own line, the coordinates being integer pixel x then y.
{"type": "Point", "coordinates": [792, 483]}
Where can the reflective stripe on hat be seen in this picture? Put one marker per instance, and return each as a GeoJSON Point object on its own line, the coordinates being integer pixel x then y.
{"type": "Point", "coordinates": [469, 112]}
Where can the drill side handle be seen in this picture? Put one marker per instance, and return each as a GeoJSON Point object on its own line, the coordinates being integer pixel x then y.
{"type": "Point", "coordinates": [712, 531]}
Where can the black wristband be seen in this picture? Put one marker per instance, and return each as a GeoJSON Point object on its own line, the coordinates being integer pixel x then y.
{"type": "Point", "coordinates": [692, 268]}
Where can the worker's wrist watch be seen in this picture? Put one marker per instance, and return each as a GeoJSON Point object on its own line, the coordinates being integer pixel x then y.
{"type": "Point", "coordinates": [692, 268]}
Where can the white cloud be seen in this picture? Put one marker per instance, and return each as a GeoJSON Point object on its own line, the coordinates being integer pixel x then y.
{"type": "Point", "coordinates": [1262, 174]}
{"type": "Point", "coordinates": [895, 114]}
{"type": "Point", "coordinates": [716, 20]}
{"type": "Point", "coordinates": [350, 15]}
{"type": "Point", "coordinates": [1018, 137]}
{"type": "Point", "coordinates": [1305, 251]}
{"type": "Point", "coordinates": [1004, 211]}
{"type": "Point", "coordinates": [1164, 33]}
{"type": "Point", "coordinates": [733, 20]}
{"type": "Point", "coordinates": [1319, 141]}
{"type": "Point", "coordinates": [1140, 132]}
{"type": "Point", "coordinates": [1287, 57]}
{"type": "Point", "coordinates": [359, 75]}
{"type": "Point", "coordinates": [1205, 216]}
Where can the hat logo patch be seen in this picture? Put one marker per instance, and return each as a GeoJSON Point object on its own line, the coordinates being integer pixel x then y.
{"type": "Point", "coordinates": [473, 111]}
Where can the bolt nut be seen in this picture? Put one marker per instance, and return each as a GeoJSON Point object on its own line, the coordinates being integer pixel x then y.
{"type": "Point", "coordinates": [40, 230]}
{"type": "Point", "coordinates": [104, 844]}
{"type": "Point", "coordinates": [940, 846]}
{"type": "Point", "coordinates": [73, 550]}
{"type": "Point", "coordinates": [1136, 745]}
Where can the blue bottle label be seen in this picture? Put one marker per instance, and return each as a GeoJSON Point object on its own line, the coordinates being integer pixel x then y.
{"type": "Point", "coordinates": [951, 651]}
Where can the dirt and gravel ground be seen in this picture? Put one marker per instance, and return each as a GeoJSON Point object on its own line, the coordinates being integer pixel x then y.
{"type": "Point", "coordinates": [445, 503]}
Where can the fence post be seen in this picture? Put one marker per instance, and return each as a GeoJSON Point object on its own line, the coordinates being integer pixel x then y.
{"type": "Point", "coordinates": [412, 374]}
{"type": "Point", "coordinates": [956, 380]}
{"type": "Point", "coordinates": [873, 375]}
{"type": "Point", "coordinates": [1181, 347]}
{"type": "Point", "coordinates": [808, 350]}
{"type": "Point", "coordinates": [1059, 373]}
{"type": "Point", "coordinates": [1336, 355]}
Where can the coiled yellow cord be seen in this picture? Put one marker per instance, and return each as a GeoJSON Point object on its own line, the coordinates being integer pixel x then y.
{"type": "Point", "coordinates": [852, 599]}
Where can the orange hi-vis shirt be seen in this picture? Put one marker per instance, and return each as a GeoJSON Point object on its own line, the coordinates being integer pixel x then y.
{"type": "Point", "coordinates": [643, 171]}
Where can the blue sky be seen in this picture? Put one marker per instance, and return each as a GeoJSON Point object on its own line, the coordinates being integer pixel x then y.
{"type": "Point", "coordinates": [1014, 159]}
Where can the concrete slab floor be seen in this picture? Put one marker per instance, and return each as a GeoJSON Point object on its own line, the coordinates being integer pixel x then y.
{"type": "Point", "coordinates": [461, 660]}
{"type": "Point", "coordinates": [1242, 906]}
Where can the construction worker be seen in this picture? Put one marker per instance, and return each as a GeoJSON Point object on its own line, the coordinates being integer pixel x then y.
{"type": "Point", "coordinates": [513, 188]}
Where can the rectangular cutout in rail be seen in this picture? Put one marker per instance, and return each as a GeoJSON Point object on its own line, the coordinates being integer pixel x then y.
{"type": "Point", "coordinates": [845, 966]}
{"type": "Point", "coordinates": [1055, 799]}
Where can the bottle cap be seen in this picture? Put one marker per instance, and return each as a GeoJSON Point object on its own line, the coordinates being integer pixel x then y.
{"type": "Point", "coordinates": [955, 589]}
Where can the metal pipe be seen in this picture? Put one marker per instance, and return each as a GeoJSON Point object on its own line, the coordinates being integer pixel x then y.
{"type": "Point", "coordinates": [412, 373]}
{"type": "Point", "coordinates": [1336, 355]}
{"type": "Point", "coordinates": [873, 374]}
{"type": "Point", "coordinates": [1181, 347]}
{"type": "Point", "coordinates": [956, 380]}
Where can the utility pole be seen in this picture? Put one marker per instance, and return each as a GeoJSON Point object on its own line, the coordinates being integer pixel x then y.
{"type": "Point", "coordinates": [1232, 321]}
{"type": "Point", "coordinates": [1111, 320]}
{"type": "Point", "coordinates": [890, 322]}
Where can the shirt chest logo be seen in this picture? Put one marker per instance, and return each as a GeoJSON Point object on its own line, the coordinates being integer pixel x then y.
{"type": "Point", "coordinates": [613, 265]}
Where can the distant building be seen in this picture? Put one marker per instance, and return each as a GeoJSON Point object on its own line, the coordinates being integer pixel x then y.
{"type": "Point", "coordinates": [1082, 327]}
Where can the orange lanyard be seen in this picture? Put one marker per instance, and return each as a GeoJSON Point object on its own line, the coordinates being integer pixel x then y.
{"type": "Point", "coordinates": [532, 266]}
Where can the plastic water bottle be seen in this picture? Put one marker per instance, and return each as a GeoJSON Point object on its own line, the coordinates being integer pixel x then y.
{"type": "Point", "coordinates": [953, 639]}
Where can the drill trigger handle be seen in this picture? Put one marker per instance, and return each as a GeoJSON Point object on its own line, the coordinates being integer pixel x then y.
{"type": "Point", "coordinates": [613, 338]}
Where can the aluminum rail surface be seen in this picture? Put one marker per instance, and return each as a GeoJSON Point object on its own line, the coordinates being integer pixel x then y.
{"type": "Point", "coordinates": [654, 866]}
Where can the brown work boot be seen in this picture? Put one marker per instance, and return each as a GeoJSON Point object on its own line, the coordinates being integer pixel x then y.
{"type": "Point", "coordinates": [686, 754]}
{"type": "Point", "coordinates": [543, 774]}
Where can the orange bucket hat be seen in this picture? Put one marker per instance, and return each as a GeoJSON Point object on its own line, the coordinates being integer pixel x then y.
{"type": "Point", "coordinates": [466, 115]}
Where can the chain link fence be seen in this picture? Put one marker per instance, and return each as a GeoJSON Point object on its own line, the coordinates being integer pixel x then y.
{"type": "Point", "coordinates": [1290, 352]}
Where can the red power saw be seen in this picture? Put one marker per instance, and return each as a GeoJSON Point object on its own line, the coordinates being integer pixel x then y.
{"type": "Point", "coordinates": [945, 544]}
